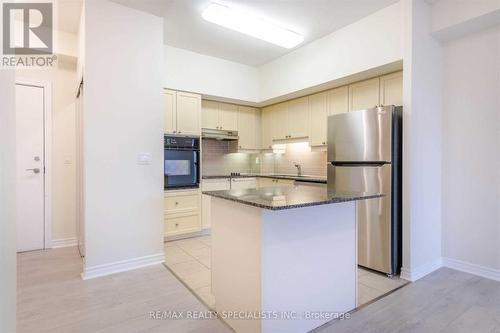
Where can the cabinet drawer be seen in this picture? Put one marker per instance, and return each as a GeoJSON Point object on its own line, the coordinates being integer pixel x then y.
{"type": "Point", "coordinates": [183, 202]}
{"type": "Point", "coordinates": [182, 223]}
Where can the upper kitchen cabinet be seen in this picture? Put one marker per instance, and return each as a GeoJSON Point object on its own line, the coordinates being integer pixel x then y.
{"type": "Point", "coordinates": [279, 126]}
{"type": "Point", "coordinates": [170, 109]}
{"type": "Point", "coordinates": [338, 100]}
{"type": "Point", "coordinates": [298, 118]}
{"type": "Point", "coordinates": [182, 112]}
{"type": "Point", "coordinates": [318, 112]}
{"type": "Point", "coordinates": [267, 128]}
{"type": "Point", "coordinates": [249, 128]}
{"type": "Point", "coordinates": [228, 117]}
{"type": "Point", "coordinates": [391, 89]}
{"type": "Point", "coordinates": [210, 114]}
{"type": "Point", "coordinates": [219, 116]}
{"type": "Point", "coordinates": [188, 113]}
{"type": "Point", "coordinates": [364, 94]}
{"type": "Point", "coordinates": [291, 119]}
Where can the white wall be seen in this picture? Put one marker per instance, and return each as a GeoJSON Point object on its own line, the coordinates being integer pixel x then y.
{"type": "Point", "coordinates": [122, 117]}
{"type": "Point", "coordinates": [371, 42]}
{"type": "Point", "coordinates": [455, 18]}
{"type": "Point", "coordinates": [471, 150]}
{"type": "Point", "coordinates": [190, 71]}
{"type": "Point", "coordinates": [422, 91]}
{"type": "Point", "coordinates": [7, 203]}
{"type": "Point", "coordinates": [374, 42]}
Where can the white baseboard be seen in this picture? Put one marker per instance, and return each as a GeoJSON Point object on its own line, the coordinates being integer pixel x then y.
{"type": "Point", "coordinates": [463, 266]}
{"type": "Point", "coordinates": [63, 242]}
{"type": "Point", "coordinates": [419, 272]}
{"type": "Point", "coordinates": [122, 266]}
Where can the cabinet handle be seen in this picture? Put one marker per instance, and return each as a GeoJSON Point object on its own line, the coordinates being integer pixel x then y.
{"type": "Point", "coordinates": [240, 147]}
{"type": "Point", "coordinates": [177, 224]}
{"type": "Point", "coordinates": [324, 143]}
{"type": "Point", "coordinates": [179, 132]}
{"type": "Point", "coordinates": [176, 203]}
{"type": "Point", "coordinates": [175, 131]}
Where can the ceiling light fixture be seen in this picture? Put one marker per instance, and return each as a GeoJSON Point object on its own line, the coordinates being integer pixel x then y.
{"type": "Point", "coordinates": [251, 25]}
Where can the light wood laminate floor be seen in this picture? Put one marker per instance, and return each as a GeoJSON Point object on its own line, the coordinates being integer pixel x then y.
{"type": "Point", "coordinates": [52, 297]}
{"type": "Point", "coordinates": [446, 301]}
{"type": "Point", "coordinates": [189, 259]}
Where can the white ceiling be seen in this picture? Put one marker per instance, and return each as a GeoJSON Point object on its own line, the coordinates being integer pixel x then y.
{"type": "Point", "coordinates": [68, 15]}
{"type": "Point", "coordinates": [186, 29]}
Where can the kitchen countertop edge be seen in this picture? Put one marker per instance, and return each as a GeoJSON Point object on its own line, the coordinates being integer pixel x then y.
{"type": "Point", "coordinates": [333, 200]}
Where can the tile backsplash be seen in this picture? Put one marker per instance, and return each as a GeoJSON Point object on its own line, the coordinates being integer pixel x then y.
{"type": "Point", "coordinates": [312, 162]}
{"type": "Point", "coordinates": [217, 159]}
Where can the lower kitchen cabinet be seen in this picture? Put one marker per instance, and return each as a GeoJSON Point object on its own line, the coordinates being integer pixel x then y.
{"type": "Point", "coordinates": [215, 184]}
{"type": "Point", "coordinates": [266, 182]}
{"type": "Point", "coordinates": [182, 212]}
{"type": "Point", "coordinates": [243, 183]}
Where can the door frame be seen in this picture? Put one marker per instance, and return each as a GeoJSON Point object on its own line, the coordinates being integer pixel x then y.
{"type": "Point", "coordinates": [47, 154]}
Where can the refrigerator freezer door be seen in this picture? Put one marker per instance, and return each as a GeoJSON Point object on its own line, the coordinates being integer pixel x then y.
{"type": "Point", "coordinates": [373, 215]}
{"type": "Point", "coordinates": [360, 136]}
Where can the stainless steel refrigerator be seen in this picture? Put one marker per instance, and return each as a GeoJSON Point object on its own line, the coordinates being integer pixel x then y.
{"type": "Point", "coordinates": [365, 154]}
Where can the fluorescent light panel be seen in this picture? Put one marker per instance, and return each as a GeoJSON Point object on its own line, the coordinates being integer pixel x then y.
{"type": "Point", "coordinates": [251, 25]}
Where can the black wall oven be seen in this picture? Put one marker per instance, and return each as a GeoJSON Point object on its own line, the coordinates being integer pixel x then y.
{"type": "Point", "coordinates": [181, 162]}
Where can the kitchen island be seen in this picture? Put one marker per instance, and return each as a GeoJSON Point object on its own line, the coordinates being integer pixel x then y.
{"type": "Point", "coordinates": [284, 259]}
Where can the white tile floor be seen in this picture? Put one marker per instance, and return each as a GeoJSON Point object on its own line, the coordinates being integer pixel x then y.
{"type": "Point", "coordinates": [189, 259]}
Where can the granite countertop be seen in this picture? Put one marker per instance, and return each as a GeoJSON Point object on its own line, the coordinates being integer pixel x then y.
{"type": "Point", "coordinates": [288, 197]}
{"type": "Point", "coordinates": [310, 179]}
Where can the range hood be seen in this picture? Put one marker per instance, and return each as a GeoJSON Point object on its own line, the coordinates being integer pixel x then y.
{"type": "Point", "coordinates": [219, 134]}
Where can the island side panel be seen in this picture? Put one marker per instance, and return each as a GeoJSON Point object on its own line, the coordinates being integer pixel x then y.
{"type": "Point", "coordinates": [236, 261]}
{"type": "Point", "coordinates": [309, 263]}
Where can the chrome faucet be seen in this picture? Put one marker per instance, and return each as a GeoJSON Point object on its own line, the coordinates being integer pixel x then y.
{"type": "Point", "coordinates": [299, 169]}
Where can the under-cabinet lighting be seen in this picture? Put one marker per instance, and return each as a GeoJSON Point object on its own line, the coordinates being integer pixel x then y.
{"type": "Point", "coordinates": [279, 148]}
{"type": "Point", "coordinates": [249, 24]}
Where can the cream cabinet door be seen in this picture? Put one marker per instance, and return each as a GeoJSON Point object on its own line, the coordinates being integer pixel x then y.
{"type": "Point", "coordinates": [209, 114]}
{"type": "Point", "coordinates": [247, 121]}
{"type": "Point", "coordinates": [280, 122]}
{"type": "Point", "coordinates": [169, 109]}
{"type": "Point", "coordinates": [391, 89]}
{"type": "Point", "coordinates": [267, 125]}
{"type": "Point", "coordinates": [298, 117]}
{"type": "Point", "coordinates": [188, 113]}
{"type": "Point", "coordinates": [364, 95]}
{"type": "Point", "coordinates": [243, 183]}
{"type": "Point", "coordinates": [257, 130]}
{"type": "Point", "coordinates": [211, 185]}
{"type": "Point", "coordinates": [338, 100]}
{"type": "Point", "coordinates": [228, 117]}
{"type": "Point", "coordinates": [318, 112]}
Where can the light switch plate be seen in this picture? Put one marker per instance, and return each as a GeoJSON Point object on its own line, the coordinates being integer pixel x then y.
{"type": "Point", "coordinates": [144, 158]}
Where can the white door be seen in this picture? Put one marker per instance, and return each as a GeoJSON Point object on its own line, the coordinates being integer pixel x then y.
{"type": "Point", "coordinates": [30, 167]}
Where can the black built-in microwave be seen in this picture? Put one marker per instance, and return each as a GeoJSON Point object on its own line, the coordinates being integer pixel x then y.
{"type": "Point", "coordinates": [181, 162]}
